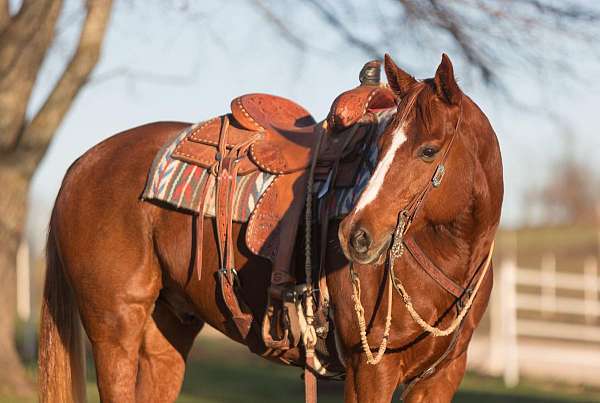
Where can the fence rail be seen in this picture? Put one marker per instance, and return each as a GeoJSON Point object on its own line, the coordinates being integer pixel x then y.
{"type": "Point", "coordinates": [561, 317]}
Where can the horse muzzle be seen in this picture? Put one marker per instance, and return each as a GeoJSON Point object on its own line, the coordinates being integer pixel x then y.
{"type": "Point", "coordinates": [359, 245]}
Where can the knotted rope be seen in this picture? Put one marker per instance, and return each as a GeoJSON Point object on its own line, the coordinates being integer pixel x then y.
{"type": "Point", "coordinates": [436, 331]}
{"type": "Point", "coordinates": [395, 252]}
{"type": "Point", "coordinates": [362, 325]}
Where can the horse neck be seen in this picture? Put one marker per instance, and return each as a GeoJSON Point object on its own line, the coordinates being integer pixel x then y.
{"type": "Point", "coordinates": [459, 246]}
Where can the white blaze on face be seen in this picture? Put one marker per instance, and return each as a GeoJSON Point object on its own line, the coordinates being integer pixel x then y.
{"type": "Point", "coordinates": [376, 181]}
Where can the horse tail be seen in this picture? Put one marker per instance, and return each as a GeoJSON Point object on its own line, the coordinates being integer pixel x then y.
{"type": "Point", "coordinates": [61, 375]}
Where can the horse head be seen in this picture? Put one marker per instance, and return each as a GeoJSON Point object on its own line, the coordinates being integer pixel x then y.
{"type": "Point", "coordinates": [439, 167]}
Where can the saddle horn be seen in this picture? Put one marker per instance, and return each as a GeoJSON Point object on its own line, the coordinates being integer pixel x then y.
{"type": "Point", "coordinates": [370, 74]}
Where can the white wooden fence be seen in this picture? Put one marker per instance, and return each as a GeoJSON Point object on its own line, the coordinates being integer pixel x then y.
{"type": "Point", "coordinates": [24, 299]}
{"type": "Point", "coordinates": [556, 316]}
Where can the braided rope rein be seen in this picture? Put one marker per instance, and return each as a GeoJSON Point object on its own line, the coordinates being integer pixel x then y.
{"type": "Point", "coordinates": [362, 325]}
{"type": "Point", "coordinates": [396, 251]}
{"type": "Point", "coordinates": [436, 331]}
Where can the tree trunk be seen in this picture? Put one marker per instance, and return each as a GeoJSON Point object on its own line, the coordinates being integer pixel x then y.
{"type": "Point", "coordinates": [13, 199]}
{"type": "Point", "coordinates": [25, 38]}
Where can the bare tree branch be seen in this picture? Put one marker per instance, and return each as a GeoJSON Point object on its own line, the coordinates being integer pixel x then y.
{"type": "Point", "coordinates": [38, 134]}
{"type": "Point", "coordinates": [23, 46]}
{"type": "Point", "coordinates": [490, 34]}
{"type": "Point", "coordinates": [4, 14]}
{"type": "Point", "coordinates": [143, 76]}
{"type": "Point", "coordinates": [22, 30]}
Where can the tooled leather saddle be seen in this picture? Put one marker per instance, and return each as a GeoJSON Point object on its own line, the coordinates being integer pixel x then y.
{"type": "Point", "coordinates": [275, 135]}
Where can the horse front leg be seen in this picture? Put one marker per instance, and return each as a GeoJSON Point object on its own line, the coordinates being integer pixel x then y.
{"type": "Point", "coordinates": [371, 383]}
{"type": "Point", "coordinates": [442, 385]}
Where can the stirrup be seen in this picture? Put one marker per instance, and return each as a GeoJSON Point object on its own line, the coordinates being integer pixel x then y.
{"type": "Point", "coordinates": [285, 315]}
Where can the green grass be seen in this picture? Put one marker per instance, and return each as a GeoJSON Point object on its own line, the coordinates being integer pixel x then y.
{"type": "Point", "coordinates": [244, 377]}
{"type": "Point", "coordinates": [222, 371]}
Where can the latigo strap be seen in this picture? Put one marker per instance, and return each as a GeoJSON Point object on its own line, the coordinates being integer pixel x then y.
{"type": "Point", "coordinates": [226, 172]}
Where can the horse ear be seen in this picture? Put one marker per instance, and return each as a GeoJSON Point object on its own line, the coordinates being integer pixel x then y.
{"type": "Point", "coordinates": [399, 80]}
{"type": "Point", "coordinates": [445, 83]}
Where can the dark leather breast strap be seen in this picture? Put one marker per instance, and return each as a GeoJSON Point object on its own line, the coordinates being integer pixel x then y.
{"type": "Point", "coordinates": [430, 268]}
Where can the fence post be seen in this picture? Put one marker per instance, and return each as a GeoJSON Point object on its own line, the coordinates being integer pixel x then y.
{"type": "Point", "coordinates": [590, 275]}
{"type": "Point", "coordinates": [548, 273]}
{"type": "Point", "coordinates": [23, 270]}
{"type": "Point", "coordinates": [497, 342]}
{"type": "Point", "coordinates": [509, 302]}
{"type": "Point", "coordinates": [23, 289]}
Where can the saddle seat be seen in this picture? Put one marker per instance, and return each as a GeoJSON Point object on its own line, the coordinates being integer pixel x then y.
{"type": "Point", "coordinates": [281, 132]}
{"type": "Point", "coordinates": [282, 120]}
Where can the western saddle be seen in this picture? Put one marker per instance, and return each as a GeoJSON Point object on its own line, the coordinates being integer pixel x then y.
{"type": "Point", "coordinates": [277, 136]}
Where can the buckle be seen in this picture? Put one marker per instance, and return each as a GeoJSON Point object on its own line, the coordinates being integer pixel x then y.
{"type": "Point", "coordinates": [289, 295]}
{"type": "Point", "coordinates": [283, 293]}
{"type": "Point", "coordinates": [223, 271]}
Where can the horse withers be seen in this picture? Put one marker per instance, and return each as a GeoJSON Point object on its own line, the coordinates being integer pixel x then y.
{"type": "Point", "coordinates": [125, 267]}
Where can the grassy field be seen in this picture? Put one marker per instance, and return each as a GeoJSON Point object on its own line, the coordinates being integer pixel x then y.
{"type": "Point", "coordinates": [222, 371]}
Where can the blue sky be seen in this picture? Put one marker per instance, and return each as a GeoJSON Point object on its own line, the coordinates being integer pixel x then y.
{"type": "Point", "coordinates": [161, 63]}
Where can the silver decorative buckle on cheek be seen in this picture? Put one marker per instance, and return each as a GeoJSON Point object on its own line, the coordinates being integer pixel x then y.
{"type": "Point", "coordinates": [438, 176]}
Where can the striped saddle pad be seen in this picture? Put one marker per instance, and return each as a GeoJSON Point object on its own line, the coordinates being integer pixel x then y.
{"type": "Point", "coordinates": [178, 184]}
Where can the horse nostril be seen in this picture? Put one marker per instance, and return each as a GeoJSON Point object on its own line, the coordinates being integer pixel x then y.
{"type": "Point", "coordinates": [360, 241]}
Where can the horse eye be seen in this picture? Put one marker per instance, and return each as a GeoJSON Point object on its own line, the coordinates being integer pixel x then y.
{"type": "Point", "coordinates": [428, 153]}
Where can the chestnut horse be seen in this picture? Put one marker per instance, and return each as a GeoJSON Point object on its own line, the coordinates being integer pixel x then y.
{"type": "Point", "coordinates": [124, 266]}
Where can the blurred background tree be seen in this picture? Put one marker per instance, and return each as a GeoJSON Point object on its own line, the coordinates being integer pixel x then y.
{"type": "Point", "coordinates": [570, 194]}
{"type": "Point", "coordinates": [490, 35]}
{"type": "Point", "coordinates": [25, 38]}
